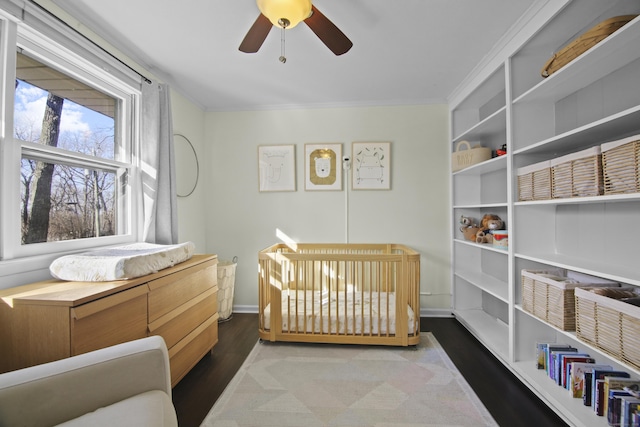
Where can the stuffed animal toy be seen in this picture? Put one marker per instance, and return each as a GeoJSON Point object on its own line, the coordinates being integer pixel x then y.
{"type": "Point", "coordinates": [469, 228]}
{"type": "Point", "coordinates": [482, 237]}
{"type": "Point", "coordinates": [470, 233]}
{"type": "Point", "coordinates": [467, 221]}
{"type": "Point", "coordinates": [488, 223]}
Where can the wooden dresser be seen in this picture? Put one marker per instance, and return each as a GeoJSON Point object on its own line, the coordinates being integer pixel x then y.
{"type": "Point", "coordinates": [50, 320]}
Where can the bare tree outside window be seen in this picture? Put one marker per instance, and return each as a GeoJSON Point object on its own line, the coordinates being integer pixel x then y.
{"type": "Point", "coordinates": [61, 200]}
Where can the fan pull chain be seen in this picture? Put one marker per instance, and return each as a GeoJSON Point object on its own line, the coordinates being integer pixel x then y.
{"type": "Point", "coordinates": [284, 23]}
{"type": "Point", "coordinates": [282, 58]}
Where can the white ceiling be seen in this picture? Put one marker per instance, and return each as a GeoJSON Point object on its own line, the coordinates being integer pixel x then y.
{"type": "Point", "coordinates": [405, 51]}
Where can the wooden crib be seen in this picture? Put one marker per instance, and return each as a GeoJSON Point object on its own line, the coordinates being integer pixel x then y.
{"type": "Point", "coordinates": [339, 293]}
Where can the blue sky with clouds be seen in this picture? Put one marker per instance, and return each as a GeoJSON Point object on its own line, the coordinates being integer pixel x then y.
{"type": "Point", "coordinates": [30, 103]}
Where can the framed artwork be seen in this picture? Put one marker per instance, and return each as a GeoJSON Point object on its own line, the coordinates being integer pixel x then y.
{"type": "Point", "coordinates": [371, 166]}
{"type": "Point", "coordinates": [323, 166]}
{"type": "Point", "coordinates": [277, 167]}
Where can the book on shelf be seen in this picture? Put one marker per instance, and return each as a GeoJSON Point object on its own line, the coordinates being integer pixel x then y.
{"type": "Point", "coordinates": [589, 384]}
{"type": "Point", "coordinates": [630, 407]}
{"type": "Point", "coordinates": [564, 366]}
{"type": "Point", "coordinates": [554, 362]}
{"type": "Point", "coordinates": [598, 398]}
{"type": "Point", "coordinates": [625, 407]}
{"type": "Point", "coordinates": [613, 405]}
{"type": "Point", "coordinates": [613, 384]}
{"type": "Point", "coordinates": [542, 353]}
{"type": "Point", "coordinates": [586, 393]}
{"type": "Point", "coordinates": [577, 376]}
{"type": "Point", "coordinates": [597, 387]}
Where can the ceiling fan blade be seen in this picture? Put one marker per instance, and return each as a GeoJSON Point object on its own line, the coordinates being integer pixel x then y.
{"type": "Point", "coordinates": [256, 35]}
{"type": "Point", "coordinates": [328, 33]}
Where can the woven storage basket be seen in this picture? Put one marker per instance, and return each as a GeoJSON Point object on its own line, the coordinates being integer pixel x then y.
{"type": "Point", "coordinates": [611, 325]}
{"type": "Point", "coordinates": [534, 181]}
{"type": "Point", "coordinates": [620, 165]}
{"type": "Point", "coordinates": [461, 159]}
{"type": "Point", "coordinates": [583, 43]}
{"type": "Point", "coordinates": [549, 295]}
{"type": "Point", "coordinates": [577, 174]}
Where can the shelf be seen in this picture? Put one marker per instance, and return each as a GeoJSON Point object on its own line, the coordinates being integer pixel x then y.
{"type": "Point", "coordinates": [495, 124]}
{"type": "Point", "coordinates": [590, 348]}
{"type": "Point", "coordinates": [614, 198]}
{"type": "Point", "coordinates": [481, 246]}
{"type": "Point", "coordinates": [492, 165]}
{"type": "Point", "coordinates": [481, 206]}
{"type": "Point", "coordinates": [618, 125]}
{"type": "Point", "coordinates": [492, 332]}
{"type": "Point", "coordinates": [629, 275]}
{"type": "Point", "coordinates": [614, 52]}
{"type": "Point", "coordinates": [571, 409]}
{"type": "Point", "coordinates": [487, 283]}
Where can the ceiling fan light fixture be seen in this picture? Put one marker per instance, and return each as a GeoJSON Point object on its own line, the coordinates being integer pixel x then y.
{"type": "Point", "coordinates": [293, 11]}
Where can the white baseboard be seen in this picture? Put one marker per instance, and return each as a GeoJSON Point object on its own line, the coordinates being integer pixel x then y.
{"type": "Point", "coordinates": [436, 312]}
{"type": "Point", "coordinates": [245, 309]}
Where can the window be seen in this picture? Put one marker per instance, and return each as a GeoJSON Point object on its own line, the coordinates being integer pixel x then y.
{"type": "Point", "coordinates": [64, 200]}
{"type": "Point", "coordinates": [68, 156]}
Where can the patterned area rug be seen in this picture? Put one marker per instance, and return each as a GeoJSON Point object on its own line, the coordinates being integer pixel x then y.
{"type": "Point", "coordinates": [287, 384]}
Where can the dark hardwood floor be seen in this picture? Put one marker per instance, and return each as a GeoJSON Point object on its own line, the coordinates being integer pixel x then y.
{"type": "Point", "coordinates": [509, 401]}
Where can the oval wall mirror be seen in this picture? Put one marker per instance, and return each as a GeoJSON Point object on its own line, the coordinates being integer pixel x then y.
{"type": "Point", "coordinates": [187, 166]}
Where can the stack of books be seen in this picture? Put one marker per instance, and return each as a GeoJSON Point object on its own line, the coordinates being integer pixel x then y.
{"type": "Point", "coordinates": [611, 393]}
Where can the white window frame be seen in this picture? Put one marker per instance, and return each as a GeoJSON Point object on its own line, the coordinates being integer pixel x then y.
{"type": "Point", "coordinates": [15, 34]}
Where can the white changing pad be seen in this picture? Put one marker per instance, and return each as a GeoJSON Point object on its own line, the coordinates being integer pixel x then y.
{"type": "Point", "coordinates": [119, 263]}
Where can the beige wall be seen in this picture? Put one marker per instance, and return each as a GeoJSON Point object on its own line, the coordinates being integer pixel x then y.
{"type": "Point", "coordinates": [241, 220]}
{"type": "Point", "coordinates": [188, 120]}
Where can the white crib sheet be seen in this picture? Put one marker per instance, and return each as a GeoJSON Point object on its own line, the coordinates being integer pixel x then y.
{"type": "Point", "coordinates": [329, 309]}
{"type": "Point", "coordinates": [119, 263]}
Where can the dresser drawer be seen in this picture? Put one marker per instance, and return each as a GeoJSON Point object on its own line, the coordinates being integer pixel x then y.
{"type": "Point", "coordinates": [187, 353]}
{"type": "Point", "coordinates": [178, 323]}
{"type": "Point", "coordinates": [170, 292]}
{"type": "Point", "coordinates": [110, 320]}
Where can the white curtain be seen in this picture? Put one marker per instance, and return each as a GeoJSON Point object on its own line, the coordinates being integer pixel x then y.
{"type": "Point", "coordinates": [158, 166]}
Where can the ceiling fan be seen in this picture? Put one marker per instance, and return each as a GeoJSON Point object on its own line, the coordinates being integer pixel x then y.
{"type": "Point", "coordinates": [287, 14]}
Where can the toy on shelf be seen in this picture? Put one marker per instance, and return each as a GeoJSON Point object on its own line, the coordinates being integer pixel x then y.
{"type": "Point", "coordinates": [469, 228]}
{"type": "Point", "coordinates": [488, 223]}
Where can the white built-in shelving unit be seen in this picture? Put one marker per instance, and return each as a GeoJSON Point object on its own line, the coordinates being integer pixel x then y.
{"type": "Point", "coordinates": [592, 100]}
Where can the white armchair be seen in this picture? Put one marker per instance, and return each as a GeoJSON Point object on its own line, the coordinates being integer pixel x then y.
{"type": "Point", "coordinates": [125, 385]}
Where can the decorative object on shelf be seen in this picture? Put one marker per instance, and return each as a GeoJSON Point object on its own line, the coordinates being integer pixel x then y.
{"type": "Point", "coordinates": [583, 43]}
{"type": "Point", "coordinates": [323, 167]}
{"type": "Point", "coordinates": [620, 165]}
{"type": "Point", "coordinates": [277, 168]}
{"type": "Point", "coordinates": [610, 323]}
{"type": "Point", "coordinates": [488, 224]}
{"type": "Point", "coordinates": [461, 159]}
{"type": "Point", "coordinates": [501, 151]}
{"type": "Point", "coordinates": [469, 228]}
{"type": "Point", "coordinates": [500, 239]}
{"type": "Point", "coordinates": [549, 294]}
{"type": "Point", "coordinates": [371, 166]}
{"type": "Point", "coordinates": [577, 174]}
{"type": "Point", "coordinates": [534, 181]}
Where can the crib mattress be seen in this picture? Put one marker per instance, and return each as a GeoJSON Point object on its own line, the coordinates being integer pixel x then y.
{"type": "Point", "coordinates": [120, 263]}
{"type": "Point", "coordinates": [352, 314]}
